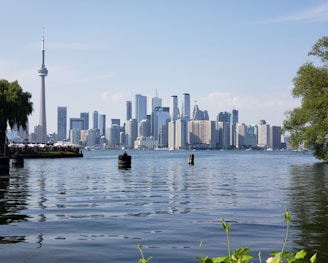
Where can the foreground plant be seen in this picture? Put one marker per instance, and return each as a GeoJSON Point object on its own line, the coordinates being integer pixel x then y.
{"type": "Point", "coordinates": [241, 255]}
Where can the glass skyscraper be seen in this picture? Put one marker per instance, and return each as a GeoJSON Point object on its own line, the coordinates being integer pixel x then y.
{"type": "Point", "coordinates": [61, 123]}
{"type": "Point", "coordinates": [141, 107]}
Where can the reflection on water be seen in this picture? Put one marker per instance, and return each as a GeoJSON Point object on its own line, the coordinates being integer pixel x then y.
{"type": "Point", "coordinates": [308, 197]}
{"type": "Point", "coordinates": [13, 195]}
{"type": "Point", "coordinates": [72, 210]}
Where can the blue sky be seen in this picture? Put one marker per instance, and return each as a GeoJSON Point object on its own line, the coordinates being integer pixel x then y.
{"type": "Point", "coordinates": [227, 54]}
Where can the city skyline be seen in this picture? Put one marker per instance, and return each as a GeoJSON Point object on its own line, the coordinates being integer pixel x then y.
{"type": "Point", "coordinates": [226, 55]}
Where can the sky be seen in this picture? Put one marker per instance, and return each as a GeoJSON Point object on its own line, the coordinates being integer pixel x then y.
{"type": "Point", "coordinates": [228, 55]}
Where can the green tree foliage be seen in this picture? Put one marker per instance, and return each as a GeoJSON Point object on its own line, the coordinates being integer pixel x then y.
{"type": "Point", "coordinates": [308, 124]}
{"type": "Point", "coordinates": [15, 107]}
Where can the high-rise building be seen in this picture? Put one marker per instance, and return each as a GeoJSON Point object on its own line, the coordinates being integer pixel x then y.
{"type": "Point", "coordinates": [61, 123]}
{"type": "Point", "coordinates": [174, 110]}
{"type": "Point", "coordinates": [275, 137]}
{"type": "Point", "coordinates": [128, 110]}
{"type": "Point", "coordinates": [224, 117]}
{"type": "Point", "coordinates": [263, 134]}
{"type": "Point", "coordinates": [95, 120]}
{"type": "Point", "coordinates": [141, 107]}
{"type": "Point", "coordinates": [131, 132]}
{"type": "Point", "coordinates": [76, 123]}
{"type": "Point", "coordinates": [199, 115]}
{"type": "Point", "coordinates": [223, 135]}
{"type": "Point", "coordinates": [102, 124]}
{"type": "Point", "coordinates": [43, 72]}
{"type": "Point", "coordinates": [159, 119]}
{"type": "Point", "coordinates": [233, 122]}
{"type": "Point", "coordinates": [155, 102]}
{"type": "Point", "coordinates": [202, 134]}
{"type": "Point", "coordinates": [85, 116]}
{"type": "Point", "coordinates": [186, 107]}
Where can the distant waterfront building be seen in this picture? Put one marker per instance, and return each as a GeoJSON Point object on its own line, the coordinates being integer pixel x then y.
{"type": "Point", "coordinates": [76, 123]}
{"type": "Point", "coordinates": [275, 137]}
{"type": "Point", "coordinates": [233, 122]}
{"type": "Point", "coordinates": [185, 114]}
{"type": "Point", "coordinates": [155, 103]}
{"type": "Point", "coordinates": [159, 119]}
{"type": "Point", "coordinates": [199, 115]}
{"type": "Point", "coordinates": [95, 120]}
{"type": "Point", "coordinates": [145, 143]}
{"type": "Point", "coordinates": [241, 135]}
{"type": "Point", "coordinates": [141, 107]}
{"type": "Point", "coordinates": [263, 134]}
{"type": "Point", "coordinates": [61, 123]}
{"type": "Point", "coordinates": [131, 132]}
{"type": "Point", "coordinates": [91, 137]}
{"type": "Point", "coordinates": [43, 72]}
{"type": "Point", "coordinates": [224, 117]}
{"type": "Point", "coordinates": [113, 135]}
{"type": "Point", "coordinates": [202, 134]}
{"type": "Point", "coordinates": [128, 110]}
{"type": "Point", "coordinates": [144, 128]}
{"type": "Point", "coordinates": [102, 124]}
{"type": "Point", "coordinates": [176, 134]}
{"type": "Point", "coordinates": [75, 135]}
{"type": "Point", "coordinates": [85, 116]}
{"type": "Point", "coordinates": [174, 110]}
{"type": "Point", "coordinates": [223, 129]}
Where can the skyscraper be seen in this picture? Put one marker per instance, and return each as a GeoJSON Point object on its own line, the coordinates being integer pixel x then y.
{"type": "Point", "coordinates": [43, 72]}
{"type": "Point", "coordinates": [186, 107]}
{"type": "Point", "coordinates": [85, 116]}
{"type": "Point", "coordinates": [141, 107]}
{"type": "Point", "coordinates": [128, 110]}
{"type": "Point", "coordinates": [174, 110]}
{"type": "Point", "coordinates": [102, 124]}
{"type": "Point", "coordinates": [61, 123]}
{"type": "Point", "coordinates": [95, 120]}
{"type": "Point", "coordinates": [155, 102]}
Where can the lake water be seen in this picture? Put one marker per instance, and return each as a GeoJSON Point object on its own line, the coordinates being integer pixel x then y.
{"type": "Point", "coordinates": [88, 210]}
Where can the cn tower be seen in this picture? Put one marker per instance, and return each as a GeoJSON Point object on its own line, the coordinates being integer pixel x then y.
{"type": "Point", "coordinates": [43, 72]}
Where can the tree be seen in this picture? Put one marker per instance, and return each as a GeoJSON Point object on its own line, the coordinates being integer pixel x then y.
{"type": "Point", "coordinates": [15, 107]}
{"type": "Point", "coordinates": [308, 124]}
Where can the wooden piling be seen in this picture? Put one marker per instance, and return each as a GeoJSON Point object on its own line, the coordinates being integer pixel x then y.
{"type": "Point", "coordinates": [191, 159]}
{"type": "Point", "coordinates": [124, 161]}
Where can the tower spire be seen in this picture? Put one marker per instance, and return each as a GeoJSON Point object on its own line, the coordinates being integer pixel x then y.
{"type": "Point", "coordinates": [42, 72]}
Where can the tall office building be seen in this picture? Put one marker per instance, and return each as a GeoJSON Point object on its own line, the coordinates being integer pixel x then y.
{"type": "Point", "coordinates": [141, 107]}
{"type": "Point", "coordinates": [263, 134]}
{"type": "Point", "coordinates": [61, 123]}
{"type": "Point", "coordinates": [43, 72]}
{"type": "Point", "coordinates": [186, 107]}
{"type": "Point", "coordinates": [102, 124]}
{"type": "Point", "coordinates": [224, 117]}
{"type": "Point", "coordinates": [85, 116]}
{"type": "Point", "coordinates": [95, 120]}
{"type": "Point", "coordinates": [202, 133]}
{"type": "Point", "coordinates": [174, 110]}
{"type": "Point", "coordinates": [275, 137]}
{"type": "Point", "coordinates": [155, 102]}
{"type": "Point", "coordinates": [131, 132]}
{"type": "Point", "coordinates": [128, 110]}
{"type": "Point", "coordinates": [159, 119]}
{"type": "Point", "coordinates": [233, 122]}
{"type": "Point", "coordinates": [199, 115]}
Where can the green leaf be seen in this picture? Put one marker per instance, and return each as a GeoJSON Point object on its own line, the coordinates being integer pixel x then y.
{"type": "Point", "coordinates": [225, 226]}
{"type": "Point", "coordinates": [313, 259]}
{"type": "Point", "coordinates": [300, 254]}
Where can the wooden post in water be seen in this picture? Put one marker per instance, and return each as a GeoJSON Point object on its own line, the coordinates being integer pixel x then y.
{"type": "Point", "coordinates": [124, 161]}
{"type": "Point", "coordinates": [191, 159]}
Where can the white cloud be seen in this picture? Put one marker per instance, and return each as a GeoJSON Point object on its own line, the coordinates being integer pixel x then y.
{"type": "Point", "coordinates": [319, 13]}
